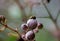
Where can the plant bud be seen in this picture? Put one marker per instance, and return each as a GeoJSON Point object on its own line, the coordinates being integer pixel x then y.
{"type": "Point", "coordinates": [32, 17]}
{"type": "Point", "coordinates": [24, 27]}
{"type": "Point", "coordinates": [40, 25]}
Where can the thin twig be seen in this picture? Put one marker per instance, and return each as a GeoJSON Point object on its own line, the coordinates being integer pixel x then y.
{"type": "Point", "coordinates": [57, 15]}
{"type": "Point", "coordinates": [6, 26]}
{"type": "Point", "coordinates": [52, 19]}
{"type": "Point", "coordinates": [48, 11]}
{"type": "Point", "coordinates": [43, 17]}
{"type": "Point", "coordinates": [30, 13]}
{"type": "Point", "coordinates": [50, 16]}
{"type": "Point", "coordinates": [22, 10]}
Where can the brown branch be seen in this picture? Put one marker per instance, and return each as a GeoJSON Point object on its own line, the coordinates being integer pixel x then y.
{"type": "Point", "coordinates": [6, 26]}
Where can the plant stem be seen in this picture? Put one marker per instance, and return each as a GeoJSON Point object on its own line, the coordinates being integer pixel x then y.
{"type": "Point", "coordinates": [22, 10]}
{"type": "Point", "coordinates": [57, 16]}
{"type": "Point", "coordinates": [52, 20]}
{"type": "Point", "coordinates": [6, 26]}
{"type": "Point", "coordinates": [51, 16]}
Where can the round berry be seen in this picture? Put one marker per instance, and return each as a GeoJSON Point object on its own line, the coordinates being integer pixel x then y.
{"type": "Point", "coordinates": [33, 17]}
{"type": "Point", "coordinates": [40, 25]}
{"type": "Point", "coordinates": [32, 24]}
{"type": "Point", "coordinates": [30, 35]}
{"type": "Point", "coordinates": [24, 27]}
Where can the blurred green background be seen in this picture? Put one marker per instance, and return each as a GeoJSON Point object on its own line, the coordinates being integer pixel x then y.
{"type": "Point", "coordinates": [13, 13]}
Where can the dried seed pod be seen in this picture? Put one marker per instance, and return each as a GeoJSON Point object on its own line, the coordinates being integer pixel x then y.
{"type": "Point", "coordinates": [30, 35]}
{"type": "Point", "coordinates": [32, 24]}
{"type": "Point", "coordinates": [40, 25]}
{"type": "Point", "coordinates": [24, 27]}
{"type": "Point", "coordinates": [33, 17]}
{"type": "Point", "coordinates": [2, 18]}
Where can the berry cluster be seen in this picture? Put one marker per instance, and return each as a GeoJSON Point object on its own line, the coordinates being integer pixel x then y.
{"type": "Point", "coordinates": [30, 28]}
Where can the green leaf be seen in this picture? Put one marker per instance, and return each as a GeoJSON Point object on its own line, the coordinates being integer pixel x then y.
{"type": "Point", "coordinates": [44, 36]}
{"type": "Point", "coordinates": [11, 38]}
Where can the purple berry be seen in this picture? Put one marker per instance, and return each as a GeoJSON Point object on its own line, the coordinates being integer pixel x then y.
{"type": "Point", "coordinates": [30, 35]}
{"type": "Point", "coordinates": [40, 25]}
{"type": "Point", "coordinates": [24, 27]}
{"type": "Point", "coordinates": [32, 24]}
